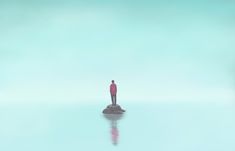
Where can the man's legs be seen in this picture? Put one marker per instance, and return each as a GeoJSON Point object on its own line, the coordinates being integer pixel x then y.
{"type": "Point", "coordinates": [112, 99]}
{"type": "Point", "coordinates": [115, 99]}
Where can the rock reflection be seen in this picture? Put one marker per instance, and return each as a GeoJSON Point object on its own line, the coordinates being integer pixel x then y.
{"type": "Point", "coordinates": [113, 118]}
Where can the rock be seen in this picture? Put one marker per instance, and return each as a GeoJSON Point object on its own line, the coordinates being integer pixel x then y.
{"type": "Point", "coordinates": [113, 109]}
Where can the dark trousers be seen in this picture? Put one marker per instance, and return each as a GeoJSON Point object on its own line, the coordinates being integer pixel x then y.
{"type": "Point", "coordinates": [114, 99]}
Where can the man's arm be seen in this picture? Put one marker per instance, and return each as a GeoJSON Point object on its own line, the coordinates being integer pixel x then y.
{"type": "Point", "coordinates": [116, 88]}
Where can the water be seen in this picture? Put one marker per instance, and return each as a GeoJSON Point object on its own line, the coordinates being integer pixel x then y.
{"type": "Point", "coordinates": [159, 126]}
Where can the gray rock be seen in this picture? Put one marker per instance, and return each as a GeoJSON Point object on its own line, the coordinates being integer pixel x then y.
{"type": "Point", "coordinates": [113, 109]}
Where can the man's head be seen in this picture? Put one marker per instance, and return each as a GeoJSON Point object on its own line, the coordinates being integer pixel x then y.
{"type": "Point", "coordinates": [112, 81]}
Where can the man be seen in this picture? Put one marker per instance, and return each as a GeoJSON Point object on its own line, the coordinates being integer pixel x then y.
{"type": "Point", "coordinates": [113, 92]}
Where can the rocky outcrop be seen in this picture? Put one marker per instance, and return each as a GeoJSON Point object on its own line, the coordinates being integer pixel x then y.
{"type": "Point", "coordinates": [113, 109]}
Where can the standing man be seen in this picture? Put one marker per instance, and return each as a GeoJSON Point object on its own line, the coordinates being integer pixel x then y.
{"type": "Point", "coordinates": [113, 92]}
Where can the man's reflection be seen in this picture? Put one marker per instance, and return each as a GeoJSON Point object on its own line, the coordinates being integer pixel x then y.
{"type": "Point", "coordinates": [114, 132]}
{"type": "Point", "coordinates": [113, 118]}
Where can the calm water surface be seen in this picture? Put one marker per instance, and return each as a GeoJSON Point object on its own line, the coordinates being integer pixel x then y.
{"type": "Point", "coordinates": [159, 126]}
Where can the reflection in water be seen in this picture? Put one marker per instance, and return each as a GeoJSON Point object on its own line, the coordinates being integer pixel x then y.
{"type": "Point", "coordinates": [113, 118]}
{"type": "Point", "coordinates": [114, 132]}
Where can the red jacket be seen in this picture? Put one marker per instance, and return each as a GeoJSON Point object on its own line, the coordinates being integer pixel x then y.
{"type": "Point", "coordinates": [113, 89]}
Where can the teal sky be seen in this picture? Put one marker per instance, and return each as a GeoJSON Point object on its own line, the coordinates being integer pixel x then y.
{"type": "Point", "coordinates": [68, 51]}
